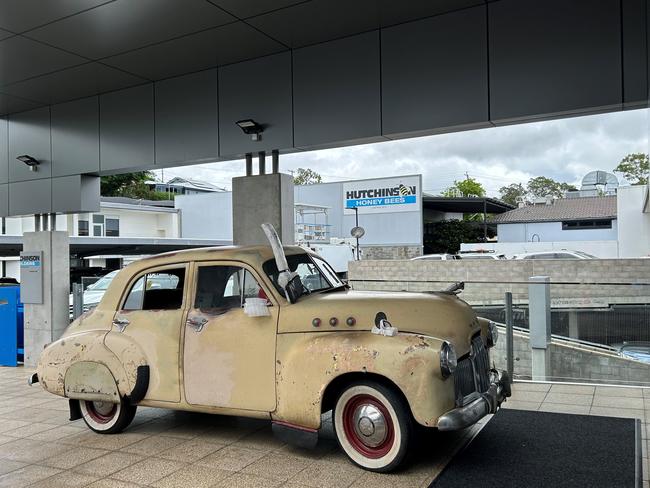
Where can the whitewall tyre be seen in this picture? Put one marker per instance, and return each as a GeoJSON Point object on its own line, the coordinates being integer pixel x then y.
{"type": "Point", "coordinates": [373, 426]}
{"type": "Point", "coordinates": [107, 417]}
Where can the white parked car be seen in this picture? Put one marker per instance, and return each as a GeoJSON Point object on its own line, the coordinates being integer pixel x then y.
{"type": "Point", "coordinates": [436, 257]}
{"type": "Point", "coordinates": [481, 255]}
{"type": "Point", "coordinates": [561, 254]}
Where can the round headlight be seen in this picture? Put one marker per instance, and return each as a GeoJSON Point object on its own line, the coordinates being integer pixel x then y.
{"type": "Point", "coordinates": [448, 359]}
{"type": "Point", "coordinates": [492, 334]}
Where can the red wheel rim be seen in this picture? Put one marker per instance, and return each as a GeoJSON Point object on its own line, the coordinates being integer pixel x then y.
{"type": "Point", "coordinates": [351, 435]}
{"type": "Point", "coordinates": [98, 416]}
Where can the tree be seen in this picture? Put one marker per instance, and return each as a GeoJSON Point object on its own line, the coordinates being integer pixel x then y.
{"type": "Point", "coordinates": [306, 176]}
{"type": "Point", "coordinates": [468, 187]}
{"type": "Point", "coordinates": [635, 167]}
{"type": "Point", "coordinates": [447, 235]}
{"type": "Point", "coordinates": [513, 193]}
{"type": "Point", "coordinates": [541, 186]}
{"type": "Point", "coordinates": [131, 185]}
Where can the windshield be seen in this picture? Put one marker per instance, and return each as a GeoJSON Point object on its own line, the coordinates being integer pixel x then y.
{"type": "Point", "coordinates": [103, 282]}
{"type": "Point", "coordinates": [315, 274]}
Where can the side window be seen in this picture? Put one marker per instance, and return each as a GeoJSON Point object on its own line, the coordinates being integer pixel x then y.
{"type": "Point", "coordinates": [225, 287]}
{"type": "Point", "coordinates": [162, 290]}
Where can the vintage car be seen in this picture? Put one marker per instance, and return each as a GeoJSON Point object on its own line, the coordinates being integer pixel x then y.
{"type": "Point", "coordinates": [271, 332]}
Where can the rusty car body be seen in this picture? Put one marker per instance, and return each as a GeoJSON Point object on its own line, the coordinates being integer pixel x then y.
{"type": "Point", "coordinates": [383, 362]}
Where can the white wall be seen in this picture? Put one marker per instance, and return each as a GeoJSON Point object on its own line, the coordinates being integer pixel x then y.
{"type": "Point", "coordinates": [206, 216]}
{"type": "Point", "coordinates": [552, 232]}
{"type": "Point", "coordinates": [633, 222]}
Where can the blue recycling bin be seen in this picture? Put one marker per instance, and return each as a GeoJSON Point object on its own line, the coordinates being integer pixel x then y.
{"type": "Point", "coordinates": [11, 326]}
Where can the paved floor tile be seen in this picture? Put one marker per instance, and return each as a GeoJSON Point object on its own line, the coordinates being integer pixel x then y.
{"type": "Point", "coordinates": [152, 445]}
{"type": "Point", "coordinates": [619, 392]}
{"type": "Point", "coordinates": [66, 479]}
{"type": "Point", "coordinates": [232, 458]}
{"type": "Point", "coordinates": [112, 483]}
{"type": "Point", "coordinates": [28, 451]}
{"type": "Point", "coordinates": [241, 480]}
{"type": "Point", "coordinates": [262, 439]}
{"type": "Point", "coordinates": [573, 389]}
{"type": "Point", "coordinates": [108, 464]}
{"type": "Point", "coordinates": [520, 405]}
{"type": "Point", "coordinates": [568, 398]}
{"type": "Point", "coordinates": [190, 451]}
{"type": "Point", "coordinates": [6, 466]}
{"type": "Point", "coordinates": [72, 457]}
{"type": "Point", "coordinates": [617, 412]}
{"type": "Point", "coordinates": [113, 442]}
{"type": "Point", "coordinates": [277, 466]}
{"type": "Point", "coordinates": [26, 476]}
{"type": "Point", "coordinates": [194, 476]}
{"type": "Point", "coordinates": [563, 408]}
{"type": "Point", "coordinates": [528, 396]}
{"type": "Point", "coordinates": [323, 474]}
{"type": "Point", "coordinates": [148, 471]}
{"type": "Point", "coordinates": [617, 402]}
{"type": "Point", "coordinates": [523, 386]}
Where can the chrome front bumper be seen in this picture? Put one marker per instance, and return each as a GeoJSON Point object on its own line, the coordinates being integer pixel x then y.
{"type": "Point", "coordinates": [487, 403]}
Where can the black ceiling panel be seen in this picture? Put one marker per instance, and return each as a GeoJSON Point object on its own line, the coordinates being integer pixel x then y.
{"type": "Point", "coordinates": [215, 47]}
{"type": "Point", "coordinates": [22, 58]}
{"type": "Point", "coordinates": [9, 104]}
{"type": "Point", "coordinates": [4, 34]}
{"type": "Point", "coordinates": [21, 15]}
{"type": "Point", "coordinates": [322, 20]}
{"type": "Point", "coordinates": [124, 25]}
{"type": "Point", "coordinates": [250, 8]}
{"type": "Point", "coordinates": [78, 82]}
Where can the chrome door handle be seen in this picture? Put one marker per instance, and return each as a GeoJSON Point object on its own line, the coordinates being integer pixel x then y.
{"type": "Point", "coordinates": [196, 324]}
{"type": "Point", "coordinates": [121, 324]}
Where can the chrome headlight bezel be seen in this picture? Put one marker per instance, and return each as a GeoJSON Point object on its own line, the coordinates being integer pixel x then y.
{"type": "Point", "coordinates": [448, 359]}
{"type": "Point", "coordinates": [492, 334]}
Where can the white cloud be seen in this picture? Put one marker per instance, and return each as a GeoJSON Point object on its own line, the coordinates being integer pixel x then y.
{"type": "Point", "coordinates": [563, 149]}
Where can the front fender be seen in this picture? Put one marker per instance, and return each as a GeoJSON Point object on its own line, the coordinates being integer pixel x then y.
{"type": "Point", "coordinates": [307, 363]}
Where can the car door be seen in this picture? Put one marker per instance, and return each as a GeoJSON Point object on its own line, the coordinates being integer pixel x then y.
{"type": "Point", "coordinates": [151, 314]}
{"type": "Point", "coordinates": [228, 356]}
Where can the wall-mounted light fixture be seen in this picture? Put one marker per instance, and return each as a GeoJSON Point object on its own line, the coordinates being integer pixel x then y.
{"type": "Point", "coordinates": [249, 126]}
{"type": "Point", "coordinates": [29, 161]}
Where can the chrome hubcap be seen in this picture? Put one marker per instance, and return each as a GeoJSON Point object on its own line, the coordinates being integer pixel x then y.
{"type": "Point", "coordinates": [370, 425]}
{"type": "Point", "coordinates": [103, 408]}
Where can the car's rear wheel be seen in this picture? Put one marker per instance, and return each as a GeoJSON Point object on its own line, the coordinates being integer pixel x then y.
{"type": "Point", "coordinates": [107, 417]}
{"type": "Point", "coordinates": [373, 426]}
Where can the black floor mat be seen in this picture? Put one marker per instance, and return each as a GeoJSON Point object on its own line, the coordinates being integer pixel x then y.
{"type": "Point", "coordinates": [520, 448]}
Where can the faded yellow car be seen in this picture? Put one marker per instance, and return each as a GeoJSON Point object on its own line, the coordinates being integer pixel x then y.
{"type": "Point", "coordinates": [271, 332]}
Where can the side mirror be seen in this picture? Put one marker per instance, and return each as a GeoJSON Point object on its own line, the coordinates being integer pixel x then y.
{"type": "Point", "coordinates": [294, 289]}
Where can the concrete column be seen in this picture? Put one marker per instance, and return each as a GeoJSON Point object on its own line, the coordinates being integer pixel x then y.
{"type": "Point", "coordinates": [275, 161]}
{"type": "Point", "coordinates": [261, 160]}
{"type": "Point", "coordinates": [249, 164]}
{"type": "Point", "coordinates": [45, 322]}
{"type": "Point", "coordinates": [259, 199]}
{"type": "Point", "coordinates": [539, 307]}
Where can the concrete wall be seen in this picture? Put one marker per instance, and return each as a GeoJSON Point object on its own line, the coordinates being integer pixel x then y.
{"type": "Point", "coordinates": [601, 249]}
{"type": "Point", "coordinates": [634, 223]}
{"type": "Point", "coordinates": [552, 231]}
{"type": "Point", "coordinates": [510, 275]}
{"type": "Point", "coordinates": [573, 362]}
{"type": "Point", "coordinates": [206, 216]}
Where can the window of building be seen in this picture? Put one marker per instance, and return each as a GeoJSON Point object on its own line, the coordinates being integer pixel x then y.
{"type": "Point", "coordinates": [82, 227]}
{"type": "Point", "coordinates": [587, 224]}
{"type": "Point", "coordinates": [225, 287]}
{"type": "Point", "coordinates": [112, 227]}
{"type": "Point", "coordinates": [162, 290]}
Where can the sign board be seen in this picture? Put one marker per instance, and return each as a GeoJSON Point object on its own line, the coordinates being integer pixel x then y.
{"type": "Point", "coordinates": [31, 277]}
{"type": "Point", "coordinates": [385, 195]}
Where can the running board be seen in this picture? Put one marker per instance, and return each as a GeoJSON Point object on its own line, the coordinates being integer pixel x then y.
{"type": "Point", "coordinates": [295, 435]}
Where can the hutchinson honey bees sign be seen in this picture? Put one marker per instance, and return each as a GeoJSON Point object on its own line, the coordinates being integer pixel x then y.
{"type": "Point", "coordinates": [401, 194]}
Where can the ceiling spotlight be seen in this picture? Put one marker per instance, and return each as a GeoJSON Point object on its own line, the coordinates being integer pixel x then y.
{"type": "Point", "coordinates": [249, 126]}
{"type": "Point", "coordinates": [29, 161]}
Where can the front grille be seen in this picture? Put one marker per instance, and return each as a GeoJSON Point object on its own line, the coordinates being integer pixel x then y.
{"type": "Point", "coordinates": [472, 376]}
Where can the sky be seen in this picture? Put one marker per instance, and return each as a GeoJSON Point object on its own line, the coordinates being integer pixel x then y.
{"type": "Point", "coordinates": [563, 149]}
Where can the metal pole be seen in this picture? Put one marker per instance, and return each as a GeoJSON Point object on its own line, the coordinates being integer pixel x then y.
{"type": "Point", "coordinates": [249, 164]}
{"type": "Point", "coordinates": [44, 221]}
{"type": "Point", "coordinates": [356, 224]}
{"type": "Point", "coordinates": [77, 300]}
{"type": "Point", "coordinates": [275, 161]}
{"type": "Point", "coordinates": [261, 161]}
{"type": "Point", "coordinates": [510, 355]}
{"type": "Point", "coordinates": [484, 220]}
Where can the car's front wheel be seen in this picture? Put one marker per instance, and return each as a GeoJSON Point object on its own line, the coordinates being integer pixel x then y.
{"type": "Point", "coordinates": [373, 426]}
{"type": "Point", "coordinates": [107, 417]}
